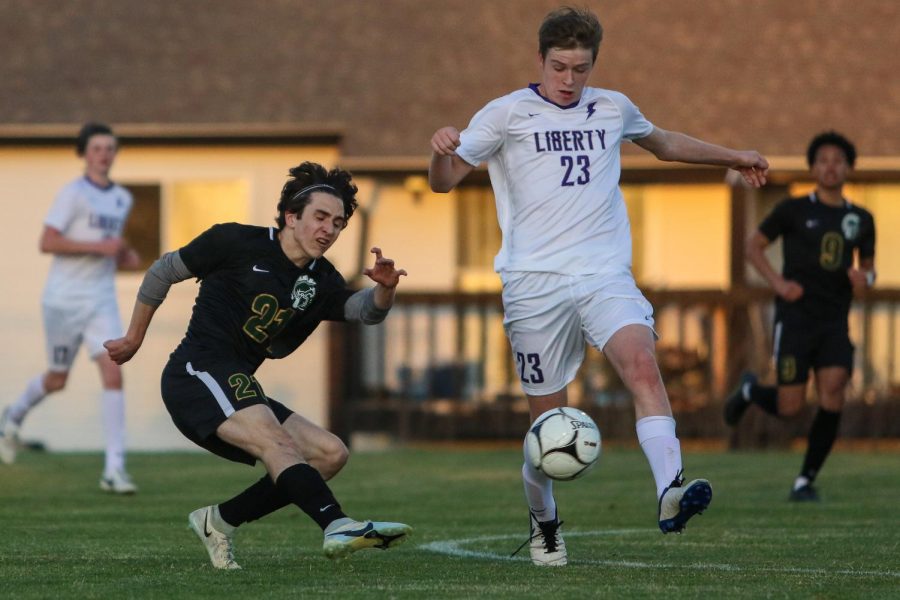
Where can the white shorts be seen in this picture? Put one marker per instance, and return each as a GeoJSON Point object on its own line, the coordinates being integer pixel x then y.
{"type": "Point", "coordinates": [548, 317]}
{"type": "Point", "coordinates": [65, 328]}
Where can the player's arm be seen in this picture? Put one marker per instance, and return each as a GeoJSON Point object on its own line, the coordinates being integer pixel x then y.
{"type": "Point", "coordinates": [371, 306]}
{"type": "Point", "coordinates": [755, 252]}
{"type": "Point", "coordinates": [168, 269]}
{"type": "Point", "coordinates": [53, 241]}
{"type": "Point", "coordinates": [447, 169]}
{"type": "Point", "coordinates": [674, 146]}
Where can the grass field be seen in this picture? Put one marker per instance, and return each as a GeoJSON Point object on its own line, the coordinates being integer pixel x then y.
{"type": "Point", "coordinates": [62, 538]}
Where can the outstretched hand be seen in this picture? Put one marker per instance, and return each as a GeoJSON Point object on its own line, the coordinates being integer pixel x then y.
{"type": "Point", "coordinates": [753, 167]}
{"type": "Point", "coordinates": [383, 272]}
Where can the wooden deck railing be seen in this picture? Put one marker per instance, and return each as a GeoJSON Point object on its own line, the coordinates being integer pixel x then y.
{"type": "Point", "coordinates": [440, 367]}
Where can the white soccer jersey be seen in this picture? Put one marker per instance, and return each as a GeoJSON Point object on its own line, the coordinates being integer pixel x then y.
{"type": "Point", "coordinates": [84, 212]}
{"type": "Point", "coordinates": [555, 173]}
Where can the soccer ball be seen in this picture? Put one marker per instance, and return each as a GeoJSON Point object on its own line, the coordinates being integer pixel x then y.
{"type": "Point", "coordinates": [563, 443]}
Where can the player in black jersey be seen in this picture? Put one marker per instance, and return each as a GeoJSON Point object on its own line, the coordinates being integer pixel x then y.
{"type": "Point", "coordinates": [829, 253]}
{"type": "Point", "coordinates": [263, 290]}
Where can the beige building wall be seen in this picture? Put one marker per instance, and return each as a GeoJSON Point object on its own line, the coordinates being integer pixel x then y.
{"type": "Point", "coordinates": [681, 235]}
{"type": "Point", "coordinates": [249, 178]}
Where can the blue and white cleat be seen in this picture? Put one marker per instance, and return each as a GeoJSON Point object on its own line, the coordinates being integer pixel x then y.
{"type": "Point", "coordinates": [680, 502]}
{"type": "Point", "coordinates": [348, 537]}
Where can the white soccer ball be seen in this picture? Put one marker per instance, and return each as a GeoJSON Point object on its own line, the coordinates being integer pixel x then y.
{"type": "Point", "coordinates": [563, 443]}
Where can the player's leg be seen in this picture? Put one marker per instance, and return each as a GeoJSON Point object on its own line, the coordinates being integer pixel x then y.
{"type": "Point", "coordinates": [791, 350]}
{"type": "Point", "coordinates": [323, 450]}
{"type": "Point", "coordinates": [830, 384]}
{"type": "Point", "coordinates": [257, 431]}
{"type": "Point", "coordinates": [546, 543]}
{"type": "Point", "coordinates": [833, 362]}
{"type": "Point", "coordinates": [631, 351]}
{"type": "Point", "coordinates": [545, 336]}
{"type": "Point", "coordinates": [62, 331]}
{"type": "Point", "coordinates": [103, 325]}
{"type": "Point", "coordinates": [12, 417]}
{"type": "Point", "coordinates": [749, 391]}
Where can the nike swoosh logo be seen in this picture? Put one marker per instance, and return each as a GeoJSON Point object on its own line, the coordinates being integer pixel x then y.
{"type": "Point", "coordinates": [258, 270]}
{"type": "Point", "coordinates": [355, 533]}
{"type": "Point", "coordinates": [533, 114]}
{"type": "Point", "coordinates": [206, 530]}
{"type": "Point", "coordinates": [324, 508]}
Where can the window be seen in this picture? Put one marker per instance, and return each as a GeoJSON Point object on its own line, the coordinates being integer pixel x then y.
{"type": "Point", "coordinates": [142, 230]}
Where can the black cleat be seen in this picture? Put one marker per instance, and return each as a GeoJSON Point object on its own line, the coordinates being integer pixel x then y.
{"type": "Point", "coordinates": [805, 493]}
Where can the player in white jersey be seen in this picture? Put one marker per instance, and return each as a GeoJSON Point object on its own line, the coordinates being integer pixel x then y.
{"type": "Point", "coordinates": [83, 231]}
{"type": "Point", "coordinates": [552, 151]}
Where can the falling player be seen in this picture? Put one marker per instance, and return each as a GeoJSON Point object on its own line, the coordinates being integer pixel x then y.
{"type": "Point", "coordinates": [263, 291]}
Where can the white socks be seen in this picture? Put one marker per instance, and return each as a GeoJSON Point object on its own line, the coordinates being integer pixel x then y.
{"type": "Point", "coordinates": [539, 493]}
{"type": "Point", "coordinates": [113, 406]}
{"type": "Point", "coordinates": [657, 438]}
{"type": "Point", "coordinates": [31, 397]}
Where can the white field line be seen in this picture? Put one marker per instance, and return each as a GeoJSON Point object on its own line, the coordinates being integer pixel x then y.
{"type": "Point", "coordinates": [456, 548]}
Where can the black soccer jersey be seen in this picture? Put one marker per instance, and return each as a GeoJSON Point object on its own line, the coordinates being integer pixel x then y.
{"type": "Point", "coordinates": [818, 243]}
{"type": "Point", "coordinates": [254, 303]}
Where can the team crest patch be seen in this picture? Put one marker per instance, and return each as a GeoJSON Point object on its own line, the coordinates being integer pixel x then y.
{"type": "Point", "coordinates": [788, 367]}
{"type": "Point", "coordinates": [304, 292]}
{"type": "Point", "coordinates": [850, 226]}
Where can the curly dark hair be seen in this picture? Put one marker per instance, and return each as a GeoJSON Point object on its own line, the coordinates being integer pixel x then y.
{"type": "Point", "coordinates": [310, 177]}
{"type": "Point", "coordinates": [831, 138]}
{"type": "Point", "coordinates": [88, 130]}
{"type": "Point", "coordinates": [569, 28]}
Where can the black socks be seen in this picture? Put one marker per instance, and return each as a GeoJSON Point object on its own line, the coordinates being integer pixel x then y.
{"type": "Point", "coordinates": [258, 500]}
{"type": "Point", "coordinates": [304, 486]}
{"type": "Point", "coordinates": [765, 397]}
{"type": "Point", "coordinates": [822, 434]}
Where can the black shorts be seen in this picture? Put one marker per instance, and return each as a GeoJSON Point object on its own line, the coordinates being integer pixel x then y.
{"type": "Point", "coordinates": [200, 397]}
{"type": "Point", "coordinates": [803, 343]}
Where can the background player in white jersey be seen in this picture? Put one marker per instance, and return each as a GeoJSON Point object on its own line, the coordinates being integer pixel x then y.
{"type": "Point", "coordinates": [552, 151]}
{"type": "Point", "coordinates": [83, 232]}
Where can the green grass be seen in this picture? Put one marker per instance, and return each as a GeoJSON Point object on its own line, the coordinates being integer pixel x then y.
{"type": "Point", "coordinates": [60, 537]}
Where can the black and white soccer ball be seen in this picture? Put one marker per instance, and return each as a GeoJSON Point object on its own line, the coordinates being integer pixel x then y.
{"type": "Point", "coordinates": [563, 443]}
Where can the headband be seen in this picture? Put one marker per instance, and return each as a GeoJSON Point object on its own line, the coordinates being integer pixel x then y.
{"type": "Point", "coordinates": [314, 187]}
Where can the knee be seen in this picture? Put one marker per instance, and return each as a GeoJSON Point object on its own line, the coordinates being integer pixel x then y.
{"type": "Point", "coordinates": [276, 441]}
{"type": "Point", "coordinates": [832, 400]}
{"type": "Point", "coordinates": [54, 382]}
{"type": "Point", "coordinates": [334, 456]}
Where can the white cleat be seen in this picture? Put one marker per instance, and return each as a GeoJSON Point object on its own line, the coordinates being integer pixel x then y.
{"type": "Point", "coordinates": [547, 546]}
{"type": "Point", "coordinates": [9, 439]}
{"type": "Point", "coordinates": [117, 482]}
{"type": "Point", "coordinates": [219, 546]}
{"type": "Point", "coordinates": [346, 539]}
